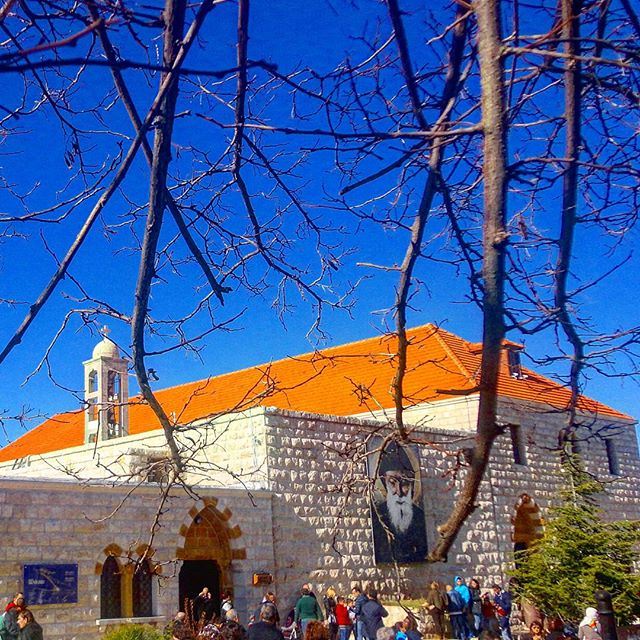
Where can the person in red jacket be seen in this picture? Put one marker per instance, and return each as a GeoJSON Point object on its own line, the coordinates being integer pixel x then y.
{"type": "Point", "coordinates": [343, 620]}
{"type": "Point", "coordinates": [18, 601]}
{"type": "Point", "coordinates": [10, 628]}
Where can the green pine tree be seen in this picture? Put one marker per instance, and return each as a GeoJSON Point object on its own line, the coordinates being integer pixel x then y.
{"type": "Point", "coordinates": [580, 553]}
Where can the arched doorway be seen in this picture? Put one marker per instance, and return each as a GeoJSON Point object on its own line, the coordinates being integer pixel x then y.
{"type": "Point", "coordinates": [206, 557]}
{"type": "Point", "coordinates": [527, 524]}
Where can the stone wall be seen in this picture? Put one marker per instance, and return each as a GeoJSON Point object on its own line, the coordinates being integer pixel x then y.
{"type": "Point", "coordinates": [306, 523]}
{"type": "Point", "coordinates": [322, 530]}
{"type": "Point", "coordinates": [229, 450]}
{"type": "Point", "coordinates": [64, 522]}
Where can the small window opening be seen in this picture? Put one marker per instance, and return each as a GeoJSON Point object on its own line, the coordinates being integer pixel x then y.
{"type": "Point", "coordinates": [571, 451]}
{"type": "Point", "coordinates": [612, 457]}
{"type": "Point", "coordinates": [515, 365]}
{"type": "Point", "coordinates": [93, 382]}
{"type": "Point", "coordinates": [92, 409]}
{"type": "Point", "coordinates": [517, 445]}
{"type": "Point", "coordinates": [113, 386]}
{"type": "Point", "coordinates": [158, 470]}
{"type": "Point", "coordinates": [576, 448]}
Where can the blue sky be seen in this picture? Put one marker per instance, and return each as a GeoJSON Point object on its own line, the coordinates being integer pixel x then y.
{"type": "Point", "coordinates": [293, 36]}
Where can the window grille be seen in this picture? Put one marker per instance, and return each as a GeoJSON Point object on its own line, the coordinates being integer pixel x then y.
{"type": "Point", "coordinates": [110, 590]}
{"type": "Point", "coordinates": [142, 590]}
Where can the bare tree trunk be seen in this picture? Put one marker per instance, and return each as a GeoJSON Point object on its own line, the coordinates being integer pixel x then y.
{"type": "Point", "coordinates": [174, 14]}
{"type": "Point", "coordinates": [494, 247]}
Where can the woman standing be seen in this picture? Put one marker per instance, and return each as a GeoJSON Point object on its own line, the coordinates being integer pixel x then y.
{"type": "Point", "coordinates": [536, 631]}
{"type": "Point", "coordinates": [589, 628]}
{"type": "Point", "coordinates": [330, 612]}
{"type": "Point", "coordinates": [489, 620]}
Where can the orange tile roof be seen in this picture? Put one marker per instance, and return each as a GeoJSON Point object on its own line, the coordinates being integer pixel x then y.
{"type": "Point", "coordinates": [349, 379]}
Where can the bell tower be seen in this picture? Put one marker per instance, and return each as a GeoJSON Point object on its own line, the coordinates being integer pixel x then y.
{"type": "Point", "coordinates": [106, 392]}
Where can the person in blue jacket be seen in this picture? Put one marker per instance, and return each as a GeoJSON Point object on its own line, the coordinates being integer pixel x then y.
{"type": "Point", "coordinates": [457, 614]}
{"type": "Point", "coordinates": [371, 615]}
{"type": "Point", "coordinates": [460, 586]}
{"type": "Point", "coordinates": [502, 605]}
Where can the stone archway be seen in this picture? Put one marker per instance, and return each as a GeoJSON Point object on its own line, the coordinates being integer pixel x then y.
{"type": "Point", "coordinates": [528, 525]}
{"type": "Point", "coordinates": [210, 545]}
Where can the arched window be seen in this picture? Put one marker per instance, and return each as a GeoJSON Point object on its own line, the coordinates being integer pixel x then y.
{"type": "Point", "coordinates": [110, 590]}
{"type": "Point", "coordinates": [92, 409]}
{"type": "Point", "coordinates": [113, 386]}
{"type": "Point", "coordinates": [93, 382]}
{"type": "Point", "coordinates": [142, 590]}
{"type": "Point", "coordinates": [114, 428]}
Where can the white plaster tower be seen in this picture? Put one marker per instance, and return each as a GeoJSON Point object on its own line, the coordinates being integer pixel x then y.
{"type": "Point", "coordinates": [106, 392]}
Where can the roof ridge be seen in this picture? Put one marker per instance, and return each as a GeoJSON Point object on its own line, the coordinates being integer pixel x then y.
{"type": "Point", "coordinates": [451, 353]}
{"type": "Point", "coordinates": [354, 362]}
{"type": "Point", "coordinates": [296, 356]}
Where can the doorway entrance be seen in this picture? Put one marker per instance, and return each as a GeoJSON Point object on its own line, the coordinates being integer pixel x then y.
{"type": "Point", "coordinates": [196, 574]}
{"type": "Point", "coordinates": [527, 525]}
{"type": "Point", "coordinates": [207, 554]}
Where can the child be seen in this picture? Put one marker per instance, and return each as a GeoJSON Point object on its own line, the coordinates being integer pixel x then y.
{"type": "Point", "coordinates": [343, 619]}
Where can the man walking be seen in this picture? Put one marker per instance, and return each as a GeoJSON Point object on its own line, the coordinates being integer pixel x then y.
{"type": "Point", "coordinates": [372, 614]}
{"type": "Point", "coordinates": [307, 609]}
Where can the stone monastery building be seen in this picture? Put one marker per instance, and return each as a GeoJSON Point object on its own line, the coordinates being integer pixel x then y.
{"type": "Point", "coordinates": [277, 484]}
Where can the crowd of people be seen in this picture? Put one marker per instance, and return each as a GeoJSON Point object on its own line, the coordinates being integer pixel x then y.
{"type": "Point", "coordinates": [471, 612]}
{"type": "Point", "coordinates": [461, 610]}
{"type": "Point", "coordinates": [17, 621]}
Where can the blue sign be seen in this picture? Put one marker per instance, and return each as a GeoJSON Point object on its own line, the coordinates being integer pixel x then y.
{"type": "Point", "coordinates": [50, 583]}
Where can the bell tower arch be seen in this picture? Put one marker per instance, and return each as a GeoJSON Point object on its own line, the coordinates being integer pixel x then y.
{"type": "Point", "coordinates": [106, 392]}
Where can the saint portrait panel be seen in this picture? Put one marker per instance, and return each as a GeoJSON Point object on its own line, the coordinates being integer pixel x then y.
{"type": "Point", "coordinates": [397, 512]}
